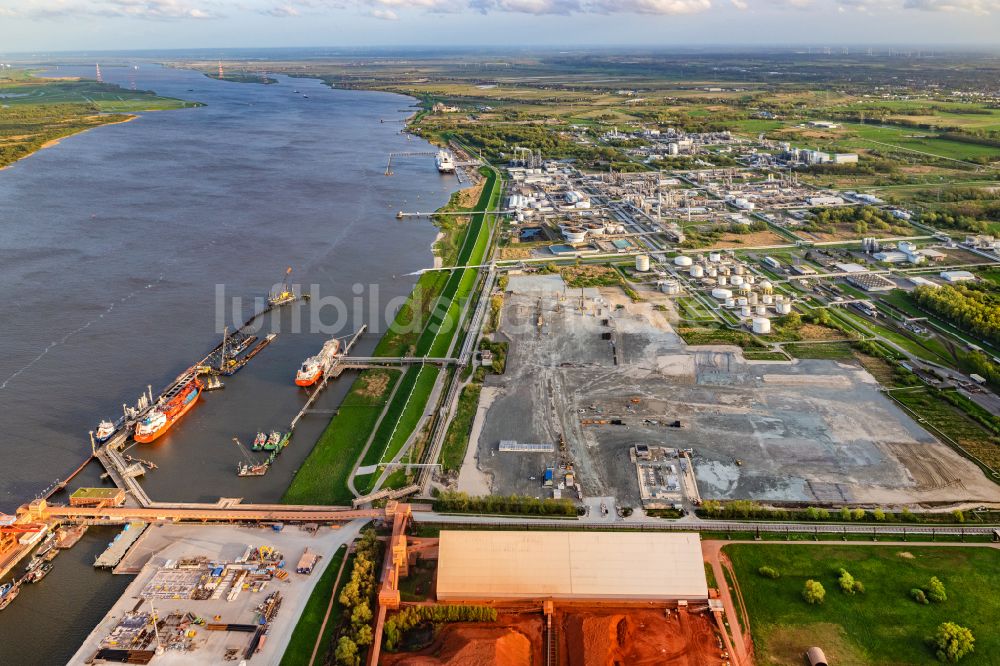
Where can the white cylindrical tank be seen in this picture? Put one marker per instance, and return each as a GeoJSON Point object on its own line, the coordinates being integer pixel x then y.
{"type": "Point", "coordinates": [752, 298]}
{"type": "Point", "coordinates": [620, 229]}
{"type": "Point", "coordinates": [714, 257]}
{"type": "Point", "coordinates": [673, 149]}
{"type": "Point", "coordinates": [750, 278]}
{"type": "Point", "coordinates": [761, 325]}
{"type": "Point", "coordinates": [682, 260]}
{"type": "Point", "coordinates": [736, 280]}
{"type": "Point", "coordinates": [723, 280]}
{"type": "Point", "coordinates": [767, 299]}
{"type": "Point", "coordinates": [730, 302]}
{"type": "Point", "coordinates": [712, 271]}
{"type": "Point", "coordinates": [697, 271]}
{"type": "Point", "coordinates": [766, 286]}
{"type": "Point", "coordinates": [783, 307]}
{"type": "Point", "coordinates": [742, 300]}
{"type": "Point", "coordinates": [738, 269]}
{"type": "Point", "coordinates": [642, 262]}
{"type": "Point", "coordinates": [744, 310]}
{"type": "Point", "coordinates": [670, 287]}
{"type": "Point", "coordinates": [761, 310]}
{"type": "Point", "coordinates": [722, 294]}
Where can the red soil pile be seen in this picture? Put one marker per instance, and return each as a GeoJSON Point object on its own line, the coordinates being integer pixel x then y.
{"type": "Point", "coordinates": [513, 643]}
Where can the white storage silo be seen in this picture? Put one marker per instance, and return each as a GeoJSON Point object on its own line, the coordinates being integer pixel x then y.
{"type": "Point", "coordinates": [761, 325]}
{"type": "Point", "coordinates": [712, 271]}
{"type": "Point", "coordinates": [738, 269]}
{"type": "Point", "coordinates": [761, 310]}
{"type": "Point", "coordinates": [745, 311]}
{"type": "Point", "coordinates": [742, 300]}
{"type": "Point", "coordinates": [730, 302]}
{"type": "Point", "coordinates": [682, 260]}
{"type": "Point", "coordinates": [723, 280]}
{"type": "Point", "coordinates": [714, 257]}
{"type": "Point", "coordinates": [642, 263]}
{"type": "Point", "coordinates": [766, 286]}
{"type": "Point", "coordinates": [752, 298]}
{"type": "Point", "coordinates": [722, 294]}
{"type": "Point", "coordinates": [767, 299]}
{"type": "Point", "coordinates": [736, 280]}
{"type": "Point", "coordinates": [783, 307]}
{"type": "Point", "coordinates": [697, 271]}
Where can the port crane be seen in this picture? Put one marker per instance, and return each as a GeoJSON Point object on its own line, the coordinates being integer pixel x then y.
{"type": "Point", "coordinates": [281, 294]}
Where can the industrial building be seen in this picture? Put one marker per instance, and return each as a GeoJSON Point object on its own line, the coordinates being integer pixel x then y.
{"type": "Point", "coordinates": [494, 565]}
{"type": "Point", "coordinates": [97, 497]}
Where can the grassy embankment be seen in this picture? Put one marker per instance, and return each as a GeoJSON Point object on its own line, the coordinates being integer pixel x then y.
{"type": "Point", "coordinates": [322, 479]}
{"type": "Point", "coordinates": [879, 627]}
{"type": "Point", "coordinates": [39, 111]}
{"type": "Point", "coordinates": [300, 646]}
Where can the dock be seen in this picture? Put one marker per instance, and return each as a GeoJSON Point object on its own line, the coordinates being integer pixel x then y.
{"type": "Point", "coordinates": [332, 372]}
{"type": "Point", "coordinates": [118, 548]}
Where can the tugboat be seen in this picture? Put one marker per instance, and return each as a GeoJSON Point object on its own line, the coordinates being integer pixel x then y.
{"type": "Point", "coordinates": [281, 294]}
{"type": "Point", "coordinates": [105, 429]}
{"type": "Point", "coordinates": [177, 402]}
{"type": "Point", "coordinates": [8, 591]}
{"type": "Point", "coordinates": [251, 467]}
{"type": "Point", "coordinates": [37, 573]}
{"type": "Point", "coordinates": [259, 441]}
{"type": "Point", "coordinates": [276, 441]}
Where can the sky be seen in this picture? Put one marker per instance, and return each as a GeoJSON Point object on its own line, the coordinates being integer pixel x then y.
{"type": "Point", "coordinates": [75, 25]}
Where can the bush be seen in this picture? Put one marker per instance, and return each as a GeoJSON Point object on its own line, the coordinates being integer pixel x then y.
{"type": "Point", "coordinates": [951, 642]}
{"type": "Point", "coordinates": [769, 572]}
{"type": "Point", "coordinates": [411, 616]}
{"type": "Point", "coordinates": [935, 590]}
{"type": "Point", "coordinates": [813, 592]}
{"type": "Point", "coordinates": [919, 596]}
{"type": "Point", "coordinates": [848, 584]}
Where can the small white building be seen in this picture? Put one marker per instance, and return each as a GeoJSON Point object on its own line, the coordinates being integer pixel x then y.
{"type": "Point", "coordinates": [957, 276]}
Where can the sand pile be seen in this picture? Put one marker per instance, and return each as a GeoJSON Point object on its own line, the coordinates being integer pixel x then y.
{"type": "Point", "coordinates": [598, 641]}
{"type": "Point", "coordinates": [463, 645]}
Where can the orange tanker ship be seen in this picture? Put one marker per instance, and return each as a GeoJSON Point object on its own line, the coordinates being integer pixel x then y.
{"type": "Point", "coordinates": [161, 418]}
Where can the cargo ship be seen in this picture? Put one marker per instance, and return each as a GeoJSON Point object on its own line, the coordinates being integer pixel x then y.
{"type": "Point", "coordinates": [445, 163]}
{"type": "Point", "coordinates": [177, 402]}
{"type": "Point", "coordinates": [314, 367]}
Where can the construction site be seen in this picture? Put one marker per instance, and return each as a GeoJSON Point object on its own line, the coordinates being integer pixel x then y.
{"type": "Point", "coordinates": [211, 594]}
{"type": "Point", "coordinates": [595, 374]}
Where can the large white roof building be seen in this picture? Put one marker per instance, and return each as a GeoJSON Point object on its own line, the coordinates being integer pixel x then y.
{"type": "Point", "coordinates": [570, 565]}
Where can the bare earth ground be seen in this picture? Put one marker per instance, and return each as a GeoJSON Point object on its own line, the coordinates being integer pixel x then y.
{"type": "Point", "coordinates": [514, 640]}
{"type": "Point", "coordinates": [602, 637]}
{"type": "Point", "coordinates": [809, 430]}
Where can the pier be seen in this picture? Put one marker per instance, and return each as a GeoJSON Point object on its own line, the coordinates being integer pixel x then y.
{"type": "Point", "coordinates": [332, 372]}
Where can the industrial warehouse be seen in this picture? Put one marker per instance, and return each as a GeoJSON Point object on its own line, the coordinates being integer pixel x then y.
{"type": "Point", "coordinates": [578, 566]}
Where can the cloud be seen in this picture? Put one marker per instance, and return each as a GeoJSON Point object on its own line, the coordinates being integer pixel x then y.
{"type": "Point", "coordinates": [385, 14]}
{"type": "Point", "coordinates": [971, 6]}
{"type": "Point", "coordinates": [140, 9]}
{"type": "Point", "coordinates": [281, 11]}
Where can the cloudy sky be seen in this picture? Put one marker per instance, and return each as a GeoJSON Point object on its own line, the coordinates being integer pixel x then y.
{"type": "Point", "coordinates": [47, 25]}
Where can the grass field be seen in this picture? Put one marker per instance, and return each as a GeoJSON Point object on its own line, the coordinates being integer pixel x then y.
{"type": "Point", "coordinates": [322, 479]}
{"type": "Point", "coordinates": [457, 439]}
{"type": "Point", "coordinates": [300, 647]}
{"type": "Point", "coordinates": [880, 627]}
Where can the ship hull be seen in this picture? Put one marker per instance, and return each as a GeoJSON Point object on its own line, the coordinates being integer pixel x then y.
{"type": "Point", "coordinates": [308, 381]}
{"type": "Point", "coordinates": [146, 438]}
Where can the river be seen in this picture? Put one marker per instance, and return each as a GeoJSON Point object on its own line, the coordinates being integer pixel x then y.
{"type": "Point", "coordinates": [114, 245]}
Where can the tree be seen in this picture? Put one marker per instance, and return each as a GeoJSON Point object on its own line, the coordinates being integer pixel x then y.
{"type": "Point", "coordinates": [958, 516]}
{"type": "Point", "coordinates": [813, 592]}
{"type": "Point", "coordinates": [848, 584]}
{"type": "Point", "coordinates": [364, 635]}
{"type": "Point", "coordinates": [935, 590]}
{"type": "Point", "coordinates": [919, 596]}
{"type": "Point", "coordinates": [769, 572]}
{"type": "Point", "coordinates": [361, 614]}
{"type": "Point", "coordinates": [347, 652]}
{"type": "Point", "coordinates": [879, 515]}
{"type": "Point", "coordinates": [859, 514]}
{"type": "Point", "coordinates": [951, 642]}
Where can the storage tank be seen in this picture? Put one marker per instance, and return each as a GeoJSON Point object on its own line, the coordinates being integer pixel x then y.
{"type": "Point", "coordinates": [722, 294]}
{"type": "Point", "coordinates": [730, 302]}
{"type": "Point", "coordinates": [766, 286]}
{"type": "Point", "coordinates": [642, 263]}
{"type": "Point", "coordinates": [736, 280]}
{"type": "Point", "coordinates": [742, 300]}
{"type": "Point", "coordinates": [761, 310]}
{"type": "Point", "coordinates": [750, 278]}
{"type": "Point", "coordinates": [712, 271]}
{"type": "Point", "coordinates": [723, 280]}
{"type": "Point", "coordinates": [683, 260]}
{"type": "Point", "coordinates": [673, 149]}
{"type": "Point", "coordinates": [761, 325]}
{"type": "Point", "coordinates": [697, 271]}
{"type": "Point", "coordinates": [752, 298]}
{"type": "Point", "coordinates": [745, 311]}
{"type": "Point", "coordinates": [738, 269]}
{"type": "Point", "coordinates": [767, 299]}
{"type": "Point", "coordinates": [783, 308]}
{"type": "Point", "coordinates": [714, 257]}
{"type": "Point", "coordinates": [670, 287]}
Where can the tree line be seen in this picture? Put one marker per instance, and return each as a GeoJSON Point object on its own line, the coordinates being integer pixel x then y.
{"type": "Point", "coordinates": [976, 311]}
